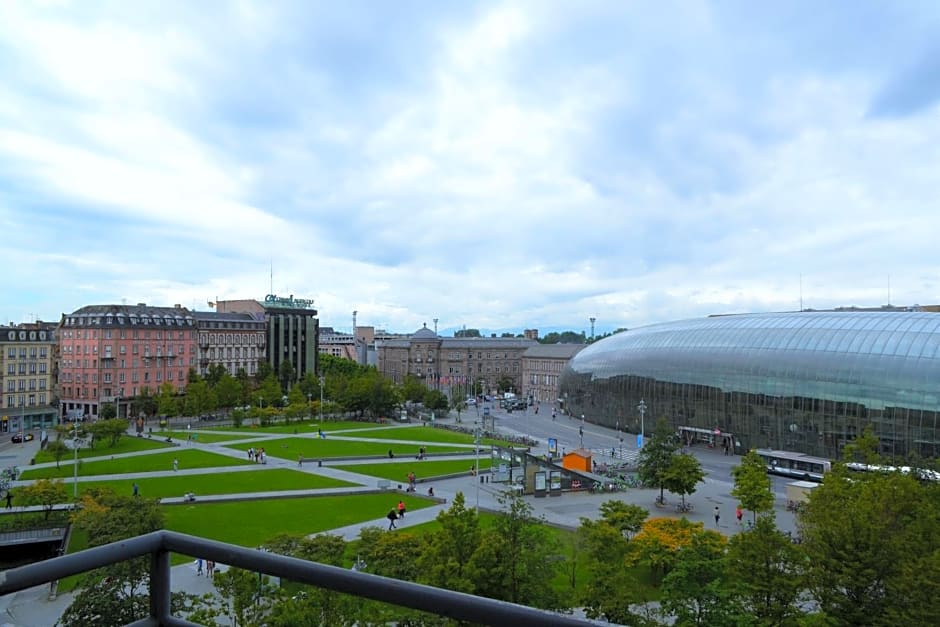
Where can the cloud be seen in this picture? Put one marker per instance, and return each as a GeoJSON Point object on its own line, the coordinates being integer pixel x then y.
{"type": "Point", "coordinates": [499, 166]}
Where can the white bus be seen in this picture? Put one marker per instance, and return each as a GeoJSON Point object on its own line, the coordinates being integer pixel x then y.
{"type": "Point", "coordinates": [796, 465]}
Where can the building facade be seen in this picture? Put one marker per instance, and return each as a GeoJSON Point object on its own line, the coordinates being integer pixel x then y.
{"type": "Point", "coordinates": [542, 366]}
{"type": "Point", "coordinates": [292, 330]}
{"type": "Point", "coordinates": [805, 381]}
{"type": "Point", "coordinates": [235, 341]}
{"type": "Point", "coordinates": [453, 364]}
{"type": "Point", "coordinates": [112, 353]}
{"type": "Point", "coordinates": [27, 377]}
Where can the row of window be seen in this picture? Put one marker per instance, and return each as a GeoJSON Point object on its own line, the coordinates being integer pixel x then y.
{"type": "Point", "coordinates": [68, 377]}
{"type": "Point", "coordinates": [76, 349]}
{"type": "Point", "coordinates": [145, 362]}
{"type": "Point", "coordinates": [545, 379]}
{"type": "Point", "coordinates": [23, 400]}
{"type": "Point", "coordinates": [42, 352]}
{"type": "Point", "coordinates": [22, 335]}
{"type": "Point", "coordinates": [137, 334]}
{"type": "Point", "coordinates": [144, 319]}
{"type": "Point", "coordinates": [22, 384]}
{"type": "Point", "coordinates": [232, 338]}
{"type": "Point", "coordinates": [30, 368]}
{"type": "Point", "coordinates": [230, 353]}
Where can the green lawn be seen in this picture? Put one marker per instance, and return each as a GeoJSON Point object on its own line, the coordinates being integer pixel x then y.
{"type": "Point", "coordinates": [328, 448]}
{"type": "Point", "coordinates": [304, 427]}
{"type": "Point", "coordinates": [426, 434]}
{"type": "Point", "coordinates": [203, 436]}
{"type": "Point", "coordinates": [188, 458]}
{"type": "Point", "coordinates": [127, 444]}
{"type": "Point", "coordinates": [250, 523]}
{"type": "Point", "coordinates": [220, 483]}
{"type": "Point", "coordinates": [398, 471]}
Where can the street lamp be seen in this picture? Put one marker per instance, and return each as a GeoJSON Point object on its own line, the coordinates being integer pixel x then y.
{"type": "Point", "coordinates": [320, 412]}
{"type": "Point", "coordinates": [476, 441]}
{"type": "Point", "coordinates": [642, 409]}
{"type": "Point", "coordinates": [309, 396]}
{"type": "Point", "coordinates": [75, 463]}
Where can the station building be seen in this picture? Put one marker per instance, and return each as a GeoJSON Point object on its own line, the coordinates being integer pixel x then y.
{"type": "Point", "coordinates": [802, 381]}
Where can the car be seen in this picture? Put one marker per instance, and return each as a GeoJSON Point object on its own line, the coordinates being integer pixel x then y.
{"type": "Point", "coordinates": [20, 437]}
{"type": "Point", "coordinates": [471, 401]}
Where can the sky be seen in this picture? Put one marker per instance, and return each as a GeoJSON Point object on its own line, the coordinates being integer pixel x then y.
{"type": "Point", "coordinates": [498, 166]}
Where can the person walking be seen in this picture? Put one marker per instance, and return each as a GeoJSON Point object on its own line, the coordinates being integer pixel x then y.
{"type": "Point", "coordinates": [210, 569]}
{"type": "Point", "coordinates": [717, 515]}
{"type": "Point", "coordinates": [176, 464]}
{"type": "Point", "coordinates": [553, 414]}
{"type": "Point", "coordinates": [9, 499]}
{"type": "Point", "coordinates": [199, 567]}
{"type": "Point", "coordinates": [401, 509]}
{"type": "Point", "coordinates": [392, 515]}
{"type": "Point", "coordinates": [739, 514]}
{"type": "Point", "coordinates": [136, 489]}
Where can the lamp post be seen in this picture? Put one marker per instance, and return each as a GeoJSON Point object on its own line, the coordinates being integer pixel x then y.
{"type": "Point", "coordinates": [320, 412]}
{"type": "Point", "coordinates": [642, 409]}
{"type": "Point", "coordinates": [75, 462]}
{"type": "Point", "coordinates": [309, 396]}
{"type": "Point", "coordinates": [476, 474]}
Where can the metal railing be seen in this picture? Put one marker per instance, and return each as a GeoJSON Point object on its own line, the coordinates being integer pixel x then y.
{"type": "Point", "coordinates": [159, 544]}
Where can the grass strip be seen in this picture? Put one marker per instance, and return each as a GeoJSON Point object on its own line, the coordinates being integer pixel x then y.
{"type": "Point", "coordinates": [188, 458]}
{"type": "Point", "coordinates": [128, 444]}
{"type": "Point", "coordinates": [328, 448]}
{"type": "Point", "coordinates": [398, 471]}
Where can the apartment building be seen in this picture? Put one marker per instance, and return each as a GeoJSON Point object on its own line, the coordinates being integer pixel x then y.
{"type": "Point", "coordinates": [235, 341]}
{"type": "Point", "coordinates": [111, 353]}
{"type": "Point", "coordinates": [27, 377]}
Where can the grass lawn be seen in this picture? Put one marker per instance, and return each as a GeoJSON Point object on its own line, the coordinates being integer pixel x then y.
{"type": "Point", "coordinates": [220, 483]}
{"type": "Point", "coordinates": [127, 444]}
{"type": "Point", "coordinates": [203, 437]}
{"type": "Point", "coordinates": [315, 448]}
{"type": "Point", "coordinates": [304, 427]}
{"type": "Point", "coordinates": [428, 434]}
{"type": "Point", "coordinates": [398, 471]}
{"type": "Point", "coordinates": [188, 458]}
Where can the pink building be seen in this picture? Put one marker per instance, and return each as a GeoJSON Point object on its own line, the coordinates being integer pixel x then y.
{"type": "Point", "coordinates": [111, 353]}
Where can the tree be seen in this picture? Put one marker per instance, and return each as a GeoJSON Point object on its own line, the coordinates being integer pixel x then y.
{"type": "Point", "coordinates": [412, 389]}
{"type": "Point", "coordinates": [656, 456]}
{"type": "Point", "coordinates": [625, 517]}
{"type": "Point", "coordinates": [864, 448]}
{"type": "Point", "coordinates": [766, 569]}
{"type": "Point", "coordinates": [505, 384]}
{"type": "Point", "coordinates": [144, 403]}
{"type": "Point", "coordinates": [108, 411]}
{"type": "Point", "coordinates": [565, 337]}
{"type": "Point", "coordinates": [109, 431]}
{"type": "Point", "coordinates": [517, 557]}
{"type": "Point", "coordinates": [167, 403]}
{"type": "Point", "coordinates": [286, 375]}
{"type": "Point", "coordinates": [44, 492]}
{"type": "Point", "coordinates": [752, 487]}
{"type": "Point", "coordinates": [270, 391]}
{"type": "Point", "coordinates": [682, 475]}
{"type": "Point", "coordinates": [214, 374]}
{"type": "Point", "coordinates": [228, 391]}
{"type": "Point", "coordinates": [869, 537]}
{"type": "Point", "coordinates": [57, 449]}
{"type": "Point", "coordinates": [444, 560]}
{"type": "Point", "coordinates": [436, 400]}
{"type": "Point", "coordinates": [696, 591]}
{"type": "Point", "coordinates": [199, 398]}
{"type": "Point", "coordinates": [659, 541]}
{"type": "Point", "coordinates": [265, 370]}
{"type": "Point", "coordinates": [467, 333]}
{"type": "Point", "coordinates": [250, 595]}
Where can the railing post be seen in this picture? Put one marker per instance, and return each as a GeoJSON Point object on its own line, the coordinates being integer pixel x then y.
{"type": "Point", "coordinates": [160, 585]}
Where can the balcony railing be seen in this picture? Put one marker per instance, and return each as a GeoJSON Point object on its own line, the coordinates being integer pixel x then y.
{"type": "Point", "coordinates": [159, 544]}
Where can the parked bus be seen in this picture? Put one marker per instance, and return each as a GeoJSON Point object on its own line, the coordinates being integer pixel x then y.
{"type": "Point", "coordinates": [796, 465]}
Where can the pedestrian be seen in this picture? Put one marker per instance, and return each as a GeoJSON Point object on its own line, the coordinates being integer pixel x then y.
{"type": "Point", "coordinates": [210, 569]}
{"type": "Point", "coordinates": [392, 515]}
{"type": "Point", "coordinates": [300, 460]}
{"type": "Point", "coordinates": [554, 414]}
{"type": "Point", "coordinates": [262, 459]}
{"type": "Point", "coordinates": [431, 491]}
{"type": "Point", "coordinates": [412, 479]}
{"type": "Point", "coordinates": [320, 433]}
{"type": "Point", "coordinates": [199, 567]}
{"type": "Point", "coordinates": [251, 454]}
{"type": "Point", "coordinates": [739, 514]}
{"type": "Point", "coordinates": [176, 464]}
{"type": "Point", "coordinates": [401, 509]}
{"type": "Point", "coordinates": [717, 515]}
{"type": "Point", "coordinates": [391, 455]}
{"type": "Point", "coordinates": [9, 499]}
{"type": "Point", "coordinates": [136, 489]}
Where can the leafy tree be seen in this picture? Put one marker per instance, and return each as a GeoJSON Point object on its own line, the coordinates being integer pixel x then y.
{"type": "Point", "coordinates": [265, 370]}
{"type": "Point", "coordinates": [682, 475]}
{"type": "Point", "coordinates": [766, 569]}
{"type": "Point", "coordinates": [565, 337]}
{"type": "Point", "coordinates": [435, 399]}
{"type": "Point", "coordinates": [867, 538]}
{"type": "Point", "coordinates": [444, 561]}
{"type": "Point", "coordinates": [517, 557]}
{"type": "Point", "coordinates": [167, 403]}
{"type": "Point", "coordinates": [656, 456]}
{"type": "Point", "coordinates": [752, 487]}
{"type": "Point", "coordinates": [58, 449]}
{"type": "Point", "coordinates": [467, 333]}
{"type": "Point", "coordinates": [228, 391]}
{"type": "Point", "coordinates": [659, 541]}
{"type": "Point", "coordinates": [144, 403]}
{"type": "Point", "coordinates": [458, 405]}
{"type": "Point", "coordinates": [109, 431]}
{"type": "Point", "coordinates": [44, 492]}
{"type": "Point", "coordinates": [625, 517]}
{"type": "Point", "coordinates": [250, 595]}
{"type": "Point", "coordinates": [286, 374]}
{"type": "Point", "coordinates": [864, 448]}
{"type": "Point", "coordinates": [269, 392]}
{"type": "Point", "coordinates": [383, 397]}
{"type": "Point", "coordinates": [106, 517]}
{"type": "Point", "coordinates": [413, 390]}
{"type": "Point", "coordinates": [610, 590]}
{"type": "Point", "coordinates": [199, 398]}
{"type": "Point", "coordinates": [108, 411]}
{"type": "Point", "coordinates": [696, 591]}
{"type": "Point", "coordinates": [505, 384]}
{"type": "Point", "coordinates": [214, 374]}
{"type": "Point", "coordinates": [393, 554]}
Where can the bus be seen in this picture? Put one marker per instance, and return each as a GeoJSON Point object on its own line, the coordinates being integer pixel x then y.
{"type": "Point", "coordinates": [795, 465]}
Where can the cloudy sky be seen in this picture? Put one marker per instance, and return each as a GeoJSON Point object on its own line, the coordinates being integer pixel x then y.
{"type": "Point", "coordinates": [493, 165]}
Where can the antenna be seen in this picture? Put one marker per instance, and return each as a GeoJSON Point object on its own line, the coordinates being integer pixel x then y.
{"type": "Point", "coordinates": [592, 319]}
{"type": "Point", "coordinates": [435, 326]}
{"type": "Point", "coordinates": [801, 292]}
{"type": "Point", "coordinates": [272, 277]}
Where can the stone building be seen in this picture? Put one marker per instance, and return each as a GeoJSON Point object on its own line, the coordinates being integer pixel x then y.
{"type": "Point", "coordinates": [236, 341]}
{"type": "Point", "coordinates": [27, 377]}
{"type": "Point", "coordinates": [542, 365]}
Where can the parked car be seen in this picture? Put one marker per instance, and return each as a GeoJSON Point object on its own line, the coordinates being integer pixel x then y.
{"type": "Point", "coordinates": [471, 401]}
{"type": "Point", "coordinates": [20, 437]}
